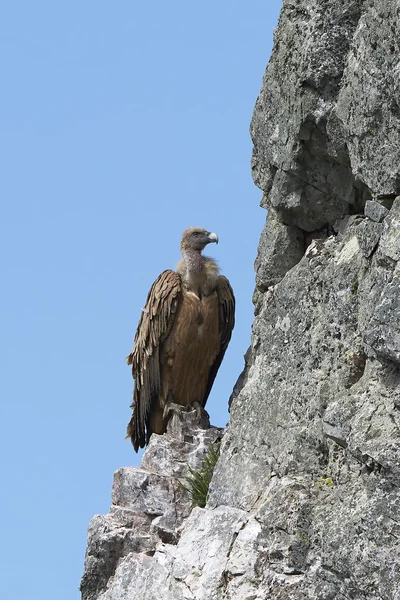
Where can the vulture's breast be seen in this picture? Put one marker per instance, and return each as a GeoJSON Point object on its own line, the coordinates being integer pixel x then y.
{"type": "Point", "coordinates": [190, 349]}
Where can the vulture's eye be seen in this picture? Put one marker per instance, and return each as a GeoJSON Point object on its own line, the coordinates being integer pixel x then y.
{"type": "Point", "coordinates": [196, 233]}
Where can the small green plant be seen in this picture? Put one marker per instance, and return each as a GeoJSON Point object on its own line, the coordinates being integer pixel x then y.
{"type": "Point", "coordinates": [198, 482]}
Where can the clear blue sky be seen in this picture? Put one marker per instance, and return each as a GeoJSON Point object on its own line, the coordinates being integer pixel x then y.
{"type": "Point", "coordinates": [122, 123]}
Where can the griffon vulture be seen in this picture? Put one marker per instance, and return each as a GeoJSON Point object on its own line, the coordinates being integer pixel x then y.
{"type": "Point", "coordinates": [181, 339]}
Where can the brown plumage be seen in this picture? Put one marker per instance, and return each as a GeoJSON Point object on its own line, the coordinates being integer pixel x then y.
{"type": "Point", "coordinates": [182, 335]}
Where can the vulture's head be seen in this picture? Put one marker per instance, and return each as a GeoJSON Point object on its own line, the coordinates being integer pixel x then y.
{"type": "Point", "coordinates": [196, 238]}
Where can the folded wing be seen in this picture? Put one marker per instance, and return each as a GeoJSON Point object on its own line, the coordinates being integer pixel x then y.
{"type": "Point", "coordinates": [155, 323]}
{"type": "Point", "coordinates": [226, 312]}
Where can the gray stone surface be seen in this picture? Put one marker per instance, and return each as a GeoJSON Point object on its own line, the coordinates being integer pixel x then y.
{"type": "Point", "coordinates": [172, 454]}
{"type": "Point", "coordinates": [390, 244]}
{"type": "Point", "coordinates": [300, 156]}
{"type": "Point", "coordinates": [383, 332]}
{"type": "Point", "coordinates": [327, 121]}
{"type": "Point", "coordinates": [375, 211]}
{"type": "Point", "coordinates": [368, 105]}
{"type": "Point", "coordinates": [198, 567]}
{"type": "Point", "coordinates": [314, 432]}
{"type": "Point", "coordinates": [304, 503]}
{"type": "Point", "coordinates": [148, 508]}
{"type": "Point", "coordinates": [368, 234]}
{"type": "Point", "coordinates": [281, 247]}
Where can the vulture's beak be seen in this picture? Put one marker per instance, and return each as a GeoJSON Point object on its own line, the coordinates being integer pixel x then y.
{"type": "Point", "coordinates": [212, 237]}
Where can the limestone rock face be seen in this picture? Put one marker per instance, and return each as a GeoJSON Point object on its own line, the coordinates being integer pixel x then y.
{"type": "Point", "coordinates": [326, 123]}
{"type": "Point", "coordinates": [304, 503]}
{"type": "Point", "coordinates": [148, 508]}
{"type": "Point", "coordinates": [317, 426]}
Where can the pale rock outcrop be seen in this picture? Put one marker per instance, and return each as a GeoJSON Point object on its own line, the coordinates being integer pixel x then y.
{"type": "Point", "coordinates": [148, 508]}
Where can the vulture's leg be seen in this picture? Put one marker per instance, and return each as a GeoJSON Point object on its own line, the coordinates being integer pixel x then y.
{"type": "Point", "coordinates": [202, 415]}
{"type": "Point", "coordinates": [189, 416]}
{"type": "Point", "coordinates": [157, 424]}
{"type": "Point", "coordinates": [171, 409]}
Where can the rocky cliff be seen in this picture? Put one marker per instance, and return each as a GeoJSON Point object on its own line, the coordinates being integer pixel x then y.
{"type": "Point", "coordinates": [305, 501]}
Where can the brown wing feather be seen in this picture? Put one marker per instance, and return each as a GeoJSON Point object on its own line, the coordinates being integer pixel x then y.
{"type": "Point", "coordinates": [226, 308]}
{"type": "Point", "coordinates": [154, 325]}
